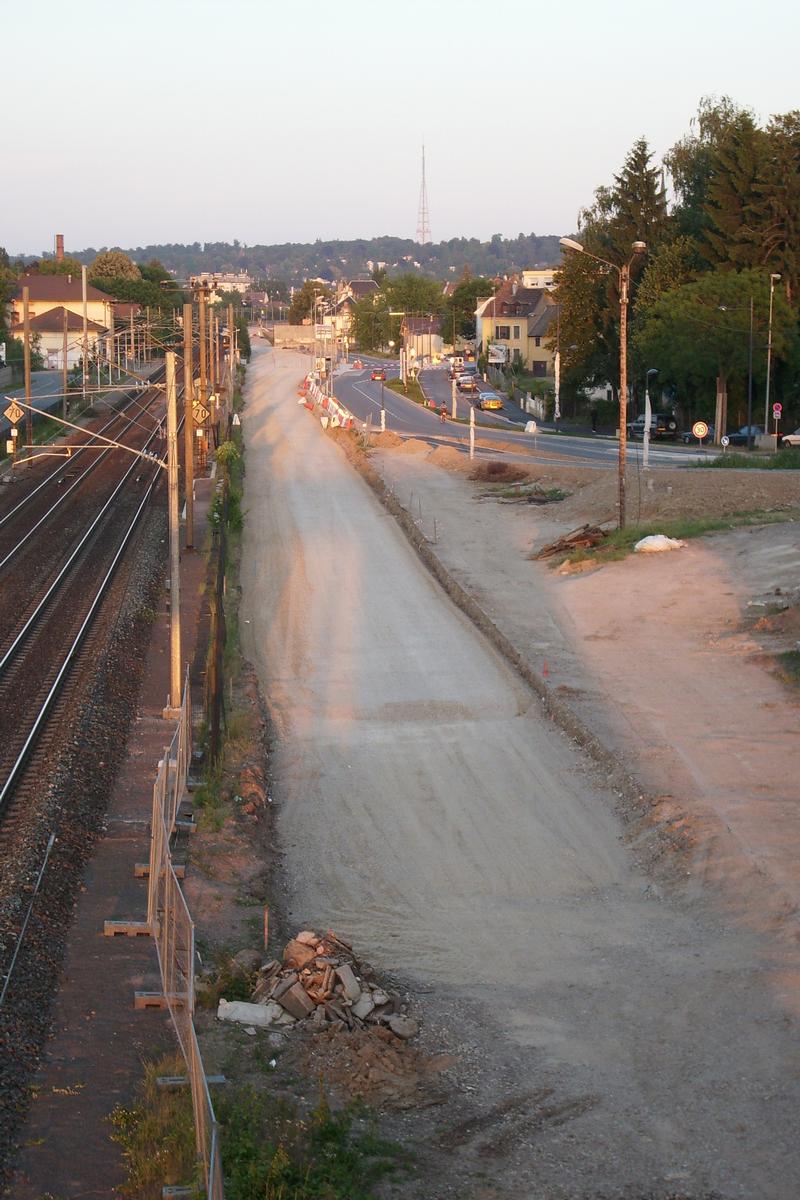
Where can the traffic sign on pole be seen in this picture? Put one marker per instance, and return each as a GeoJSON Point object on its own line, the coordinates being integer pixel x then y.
{"type": "Point", "coordinates": [777, 409]}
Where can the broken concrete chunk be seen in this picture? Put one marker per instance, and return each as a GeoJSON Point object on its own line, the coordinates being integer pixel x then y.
{"type": "Point", "coordinates": [352, 988]}
{"type": "Point", "coordinates": [405, 1027]}
{"type": "Point", "coordinates": [296, 1001]}
{"type": "Point", "coordinates": [363, 1006]}
{"type": "Point", "coordinates": [308, 938]}
{"type": "Point", "coordinates": [243, 1013]}
{"type": "Point", "coordinates": [379, 996]}
{"type": "Point", "coordinates": [297, 954]}
{"type": "Point", "coordinates": [284, 984]}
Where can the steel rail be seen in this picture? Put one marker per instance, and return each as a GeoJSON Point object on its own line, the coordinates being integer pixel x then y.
{"type": "Point", "coordinates": [77, 450]}
{"type": "Point", "coordinates": [66, 568]}
{"type": "Point", "coordinates": [8, 786]}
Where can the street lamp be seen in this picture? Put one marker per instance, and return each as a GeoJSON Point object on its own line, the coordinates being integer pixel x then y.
{"type": "Point", "coordinates": [773, 279]}
{"type": "Point", "coordinates": [648, 416]}
{"type": "Point", "coordinates": [624, 273]}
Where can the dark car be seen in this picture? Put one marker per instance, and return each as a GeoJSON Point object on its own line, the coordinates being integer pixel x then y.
{"type": "Point", "coordinates": [739, 438]}
{"type": "Point", "coordinates": [378, 373]}
{"type": "Point", "coordinates": [467, 383]}
{"type": "Point", "coordinates": [662, 425]}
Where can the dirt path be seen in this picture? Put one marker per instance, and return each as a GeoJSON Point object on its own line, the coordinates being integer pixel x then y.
{"type": "Point", "coordinates": [610, 1038]}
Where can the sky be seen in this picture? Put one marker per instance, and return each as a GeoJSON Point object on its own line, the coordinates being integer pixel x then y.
{"type": "Point", "coordinates": [174, 121]}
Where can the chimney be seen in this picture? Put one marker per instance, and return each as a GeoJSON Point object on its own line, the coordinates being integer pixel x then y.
{"type": "Point", "coordinates": [59, 247]}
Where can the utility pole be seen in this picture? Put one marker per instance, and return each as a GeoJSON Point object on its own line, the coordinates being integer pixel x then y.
{"type": "Point", "coordinates": [85, 351]}
{"type": "Point", "coordinates": [201, 336]}
{"type": "Point", "coordinates": [188, 423]}
{"type": "Point", "coordinates": [624, 280]}
{"type": "Point", "coordinates": [174, 538]}
{"type": "Point", "coordinates": [64, 373]}
{"type": "Point", "coordinates": [26, 350]}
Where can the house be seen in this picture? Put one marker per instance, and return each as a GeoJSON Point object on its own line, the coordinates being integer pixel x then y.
{"type": "Point", "coordinates": [53, 328]}
{"type": "Point", "coordinates": [512, 326]}
{"type": "Point", "coordinates": [422, 338]}
{"type": "Point", "coordinates": [46, 292]}
{"type": "Point", "coordinates": [348, 295]}
{"type": "Point", "coordinates": [222, 281]}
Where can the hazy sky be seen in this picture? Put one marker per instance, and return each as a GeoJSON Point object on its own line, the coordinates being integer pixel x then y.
{"type": "Point", "coordinates": [164, 120]}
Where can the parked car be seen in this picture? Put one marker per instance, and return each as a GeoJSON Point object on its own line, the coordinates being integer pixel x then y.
{"type": "Point", "coordinates": [466, 383]}
{"type": "Point", "coordinates": [489, 401]}
{"type": "Point", "coordinates": [688, 438]}
{"type": "Point", "coordinates": [739, 437]}
{"type": "Point", "coordinates": [791, 439]}
{"type": "Point", "coordinates": [662, 425]}
{"type": "Point", "coordinates": [378, 373]}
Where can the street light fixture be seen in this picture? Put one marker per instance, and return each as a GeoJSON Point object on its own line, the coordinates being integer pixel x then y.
{"type": "Point", "coordinates": [773, 279]}
{"type": "Point", "coordinates": [648, 417]}
{"type": "Point", "coordinates": [624, 274]}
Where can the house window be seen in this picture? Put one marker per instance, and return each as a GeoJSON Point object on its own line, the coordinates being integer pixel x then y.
{"type": "Point", "coordinates": [537, 342]}
{"type": "Point", "coordinates": [539, 369]}
{"type": "Point", "coordinates": [503, 332]}
{"type": "Point", "coordinates": [516, 332]}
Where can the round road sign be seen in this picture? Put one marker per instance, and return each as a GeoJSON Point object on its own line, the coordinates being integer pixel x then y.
{"type": "Point", "coordinates": [777, 409]}
{"type": "Point", "coordinates": [725, 440]}
{"type": "Point", "coordinates": [699, 429]}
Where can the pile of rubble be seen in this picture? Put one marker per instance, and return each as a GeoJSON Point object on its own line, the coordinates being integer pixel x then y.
{"type": "Point", "coordinates": [320, 982]}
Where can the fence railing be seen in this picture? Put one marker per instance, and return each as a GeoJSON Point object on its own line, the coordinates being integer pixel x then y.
{"type": "Point", "coordinates": [172, 927]}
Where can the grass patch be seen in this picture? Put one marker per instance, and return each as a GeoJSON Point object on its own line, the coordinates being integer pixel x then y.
{"type": "Point", "coordinates": [157, 1135]}
{"type": "Point", "coordinates": [209, 803]}
{"type": "Point", "coordinates": [789, 667]}
{"type": "Point", "coordinates": [787, 459]}
{"type": "Point", "coordinates": [620, 542]}
{"type": "Point", "coordinates": [228, 979]}
{"type": "Point", "coordinates": [413, 390]}
{"type": "Point", "coordinates": [270, 1153]}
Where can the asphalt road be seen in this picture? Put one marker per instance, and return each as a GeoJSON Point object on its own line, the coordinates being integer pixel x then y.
{"type": "Point", "coordinates": [363, 397]}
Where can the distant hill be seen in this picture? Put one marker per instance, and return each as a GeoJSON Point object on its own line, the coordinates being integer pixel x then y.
{"type": "Point", "coordinates": [295, 261]}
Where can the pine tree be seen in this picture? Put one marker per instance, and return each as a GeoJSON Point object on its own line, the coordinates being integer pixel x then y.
{"type": "Point", "coordinates": [737, 175]}
{"type": "Point", "coordinates": [776, 206]}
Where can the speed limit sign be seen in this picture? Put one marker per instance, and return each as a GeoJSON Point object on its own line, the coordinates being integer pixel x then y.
{"type": "Point", "coordinates": [700, 429]}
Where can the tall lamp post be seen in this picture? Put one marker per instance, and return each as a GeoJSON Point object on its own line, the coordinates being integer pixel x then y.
{"type": "Point", "coordinates": [624, 273]}
{"type": "Point", "coordinates": [773, 279]}
{"type": "Point", "coordinates": [648, 417]}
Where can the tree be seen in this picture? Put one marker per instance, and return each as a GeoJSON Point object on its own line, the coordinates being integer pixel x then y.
{"type": "Point", "coordinates": [410, 293]}
{"type": "Point", "coordinates": [698, 334]}
{"type": "Point", "coordinates": [66, 266]}
{"type": "Point", "coordinates": [776, 205]}
{"type": "Point", "coordinates": [691, 162]}
{"type": "Point", "coordinates": [113, 264]}
{"type": "Point", "coordinates": [459, 308]}
{"type": "Point", "coordinates": [372, 327]}
{"type": "Point", "coordinates": [731, 208]}
{"type": "Point", "coordinates": [634, 208]}
{"type": "Point", "coordinates": [303, 300]}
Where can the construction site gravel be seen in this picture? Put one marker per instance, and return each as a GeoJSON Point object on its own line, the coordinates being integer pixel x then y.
{"type": "Point", "coordinates": [584, 872]}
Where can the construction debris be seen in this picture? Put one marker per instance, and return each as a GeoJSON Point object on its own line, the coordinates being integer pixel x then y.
{"type": "Point", "coordinates": [580, 539]}
{"type": "Point", "coordinates": [319, 981]}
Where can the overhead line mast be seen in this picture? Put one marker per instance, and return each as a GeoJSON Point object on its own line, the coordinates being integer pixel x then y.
{"type": "Point", "coordinates": [423, 219]}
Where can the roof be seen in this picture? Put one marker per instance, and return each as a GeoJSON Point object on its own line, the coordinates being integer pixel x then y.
{"type": "Point", "coordinates": [57, 288]}
{"type": "Point", "coordinates": [511, 302]}
{"type": "Point", "coordinates": [53, 321]}
{"type": "Point", "coordinates": [539, 323]}
{"type": "Point", "coordinates": [362, 287]}
{"type": "Point", "coordinates": [428, 324]}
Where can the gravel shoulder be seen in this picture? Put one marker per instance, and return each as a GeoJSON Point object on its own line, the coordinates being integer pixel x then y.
{"type": "Point", "coordinates": [619, 1030]}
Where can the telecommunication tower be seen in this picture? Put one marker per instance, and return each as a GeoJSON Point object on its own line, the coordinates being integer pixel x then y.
{"type": "Point", "coordinates": [423, 219]}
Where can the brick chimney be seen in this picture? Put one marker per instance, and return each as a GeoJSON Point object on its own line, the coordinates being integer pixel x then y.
{"type": "Point", "coordinates": [59, 247]}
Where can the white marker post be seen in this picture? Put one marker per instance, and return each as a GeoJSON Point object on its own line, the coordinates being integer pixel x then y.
{"type": "Point", "coordinates": [453, 396]}
{"type": "Point", "coordinates": [472, 431]}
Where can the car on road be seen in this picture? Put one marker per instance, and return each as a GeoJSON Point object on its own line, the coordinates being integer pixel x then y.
{"type": "Point", "coordinates": [662, 425]}
{"type": "Point", "coordinates": [791, 439]}
{"type": "Point", "coordinates": [688, 438]}
{"type": "Point", "coordinates": [466, 383]}
{"type": "Point", "coordinates": [740, 436]}
{"type": "Point", "coordinates": [378, 373]}
{"type": "Point", "coordinates": [489, 401]}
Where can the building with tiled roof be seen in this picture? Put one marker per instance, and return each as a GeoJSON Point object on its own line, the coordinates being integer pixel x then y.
{"type": "Point", "coordinates": [513, 325]}
{"type": "Point", "coordinates": [46, 292]}
{"type": "Point", "coordinates": [55, 326]}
